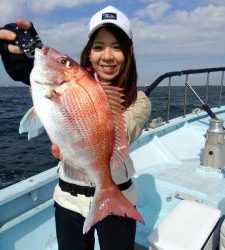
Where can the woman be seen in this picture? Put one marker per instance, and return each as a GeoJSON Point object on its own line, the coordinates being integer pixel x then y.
{"type": "Point", "coordinates": [109, 57]}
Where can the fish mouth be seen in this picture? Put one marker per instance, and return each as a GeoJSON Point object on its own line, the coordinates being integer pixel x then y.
{"type": "Point", "coordinates": [42, 51]}
{"type": "Point", "coordinates": [45, 49]}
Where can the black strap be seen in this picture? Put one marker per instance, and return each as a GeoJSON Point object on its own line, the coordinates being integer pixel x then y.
{"type": "Point", "coordinates": [88, 191]}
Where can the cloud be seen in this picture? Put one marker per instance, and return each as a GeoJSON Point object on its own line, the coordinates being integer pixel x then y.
{"type": "Point", "coordinates": [154, 10]}
{"type": "Point", "coordinates": [50, 5]}
{"type": "Point", "coordinates": [214, 2]}
{"type": "Point", "coordinates": [182, 33]}
{"type": "Point", "coordinates": [164, 30]}
{"type": "Point", "coordinates": [69, 37]}
{"type": "Point", "coordinates": [9, 9]}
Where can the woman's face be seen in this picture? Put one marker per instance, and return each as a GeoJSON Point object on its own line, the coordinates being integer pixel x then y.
{"type": "Point", "coordinates": [106, 56]}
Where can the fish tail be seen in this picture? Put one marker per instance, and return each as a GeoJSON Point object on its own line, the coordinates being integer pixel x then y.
{"type": "Point", "coordinates": [104, 205]}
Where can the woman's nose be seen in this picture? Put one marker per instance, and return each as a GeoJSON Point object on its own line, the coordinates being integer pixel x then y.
{"type": "Point", "coordinates": [107, 53]}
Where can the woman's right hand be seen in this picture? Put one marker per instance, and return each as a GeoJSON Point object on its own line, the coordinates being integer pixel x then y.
{"type": "Point", "coordinates": [10, 36]}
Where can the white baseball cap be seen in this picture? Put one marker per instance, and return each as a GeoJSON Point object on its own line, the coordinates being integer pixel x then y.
{"type": "Point", "coordinates": [110, 15]}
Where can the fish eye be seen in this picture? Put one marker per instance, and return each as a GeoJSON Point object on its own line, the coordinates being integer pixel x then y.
{"type": "Point", "coordinates": [65, 62]}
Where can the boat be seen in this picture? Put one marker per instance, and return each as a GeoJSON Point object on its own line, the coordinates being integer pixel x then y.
{"type": "Point", "coordinates": [180, 180]}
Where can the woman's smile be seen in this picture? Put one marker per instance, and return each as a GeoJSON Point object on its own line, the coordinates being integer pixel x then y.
{"type": "Point", "coordinates": [108, 68]}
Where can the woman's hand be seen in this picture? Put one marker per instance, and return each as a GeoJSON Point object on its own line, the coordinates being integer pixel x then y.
{"type": "Point", "coordinates": [11, 36]}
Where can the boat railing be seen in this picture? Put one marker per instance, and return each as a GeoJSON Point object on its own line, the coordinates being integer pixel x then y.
{"type": "Point", "coordinates": [184, 77]}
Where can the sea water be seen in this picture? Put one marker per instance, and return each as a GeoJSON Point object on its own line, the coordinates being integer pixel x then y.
{"type": "Point", "coordinates": [20, 158]}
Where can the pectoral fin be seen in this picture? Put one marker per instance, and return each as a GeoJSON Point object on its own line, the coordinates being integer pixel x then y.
{"type": "Point", "coordinates": [31, 124]}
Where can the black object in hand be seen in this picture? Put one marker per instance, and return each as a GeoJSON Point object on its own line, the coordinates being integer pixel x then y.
{"type": "Point", "coordinates": [26, 40]}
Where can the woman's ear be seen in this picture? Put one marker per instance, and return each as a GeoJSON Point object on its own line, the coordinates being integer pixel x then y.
{"type": "Point", "coordinates": [132, 50]}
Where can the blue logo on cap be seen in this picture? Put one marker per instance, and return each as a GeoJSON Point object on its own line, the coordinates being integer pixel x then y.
{"type": "Point", "coordinates": [109, 16]}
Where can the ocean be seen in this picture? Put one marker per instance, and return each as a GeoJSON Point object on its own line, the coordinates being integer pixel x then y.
{"type": "Point", "coordinates": [20, 158]}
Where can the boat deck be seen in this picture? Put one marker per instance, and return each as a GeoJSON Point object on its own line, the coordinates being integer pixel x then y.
{"type": "Point", "coordinates": [168, 161]}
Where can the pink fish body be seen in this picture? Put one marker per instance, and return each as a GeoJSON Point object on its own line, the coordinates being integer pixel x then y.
{"type": "Point", "coordinates": [84, 121]}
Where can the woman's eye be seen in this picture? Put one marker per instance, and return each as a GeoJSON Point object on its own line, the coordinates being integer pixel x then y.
{"type": "Point", "coordinates": [117, 47]}
{"type": "Point", "coordinates": [97, 47]}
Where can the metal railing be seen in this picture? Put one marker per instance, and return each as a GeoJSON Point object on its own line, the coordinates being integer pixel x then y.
{"type": "Point", "coordinates": [186, 74]}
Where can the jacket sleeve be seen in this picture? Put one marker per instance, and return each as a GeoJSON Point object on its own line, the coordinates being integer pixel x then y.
{"type": "Point", "coordinates": [17, 66]}
{"type": "Point", "coordinates": [136, 115]}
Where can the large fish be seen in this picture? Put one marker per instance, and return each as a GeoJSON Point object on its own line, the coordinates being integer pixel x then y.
{"type": "Point", "coordinates": [85, 123]}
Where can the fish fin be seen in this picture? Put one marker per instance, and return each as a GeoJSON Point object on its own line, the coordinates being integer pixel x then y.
{"type": "Point", "coordinates": [120, 151]}
{"type": "Point", "coordinates": [110, 202]}
{"type": "Point", "coordinates": [56, 151]}
{"type": "Point", "coordinates": [31, 124]}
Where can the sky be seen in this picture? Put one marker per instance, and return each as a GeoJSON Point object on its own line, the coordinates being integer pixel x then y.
{"type": "Point", "coordinates": [169, 35]}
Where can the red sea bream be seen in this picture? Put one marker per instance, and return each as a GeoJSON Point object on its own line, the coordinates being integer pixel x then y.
{"type": "Point", "coordinates": [84, 121]}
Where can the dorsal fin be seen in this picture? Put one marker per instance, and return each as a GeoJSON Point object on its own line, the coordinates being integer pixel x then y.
{"type": "Point", "coordinates": [120, 151]}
